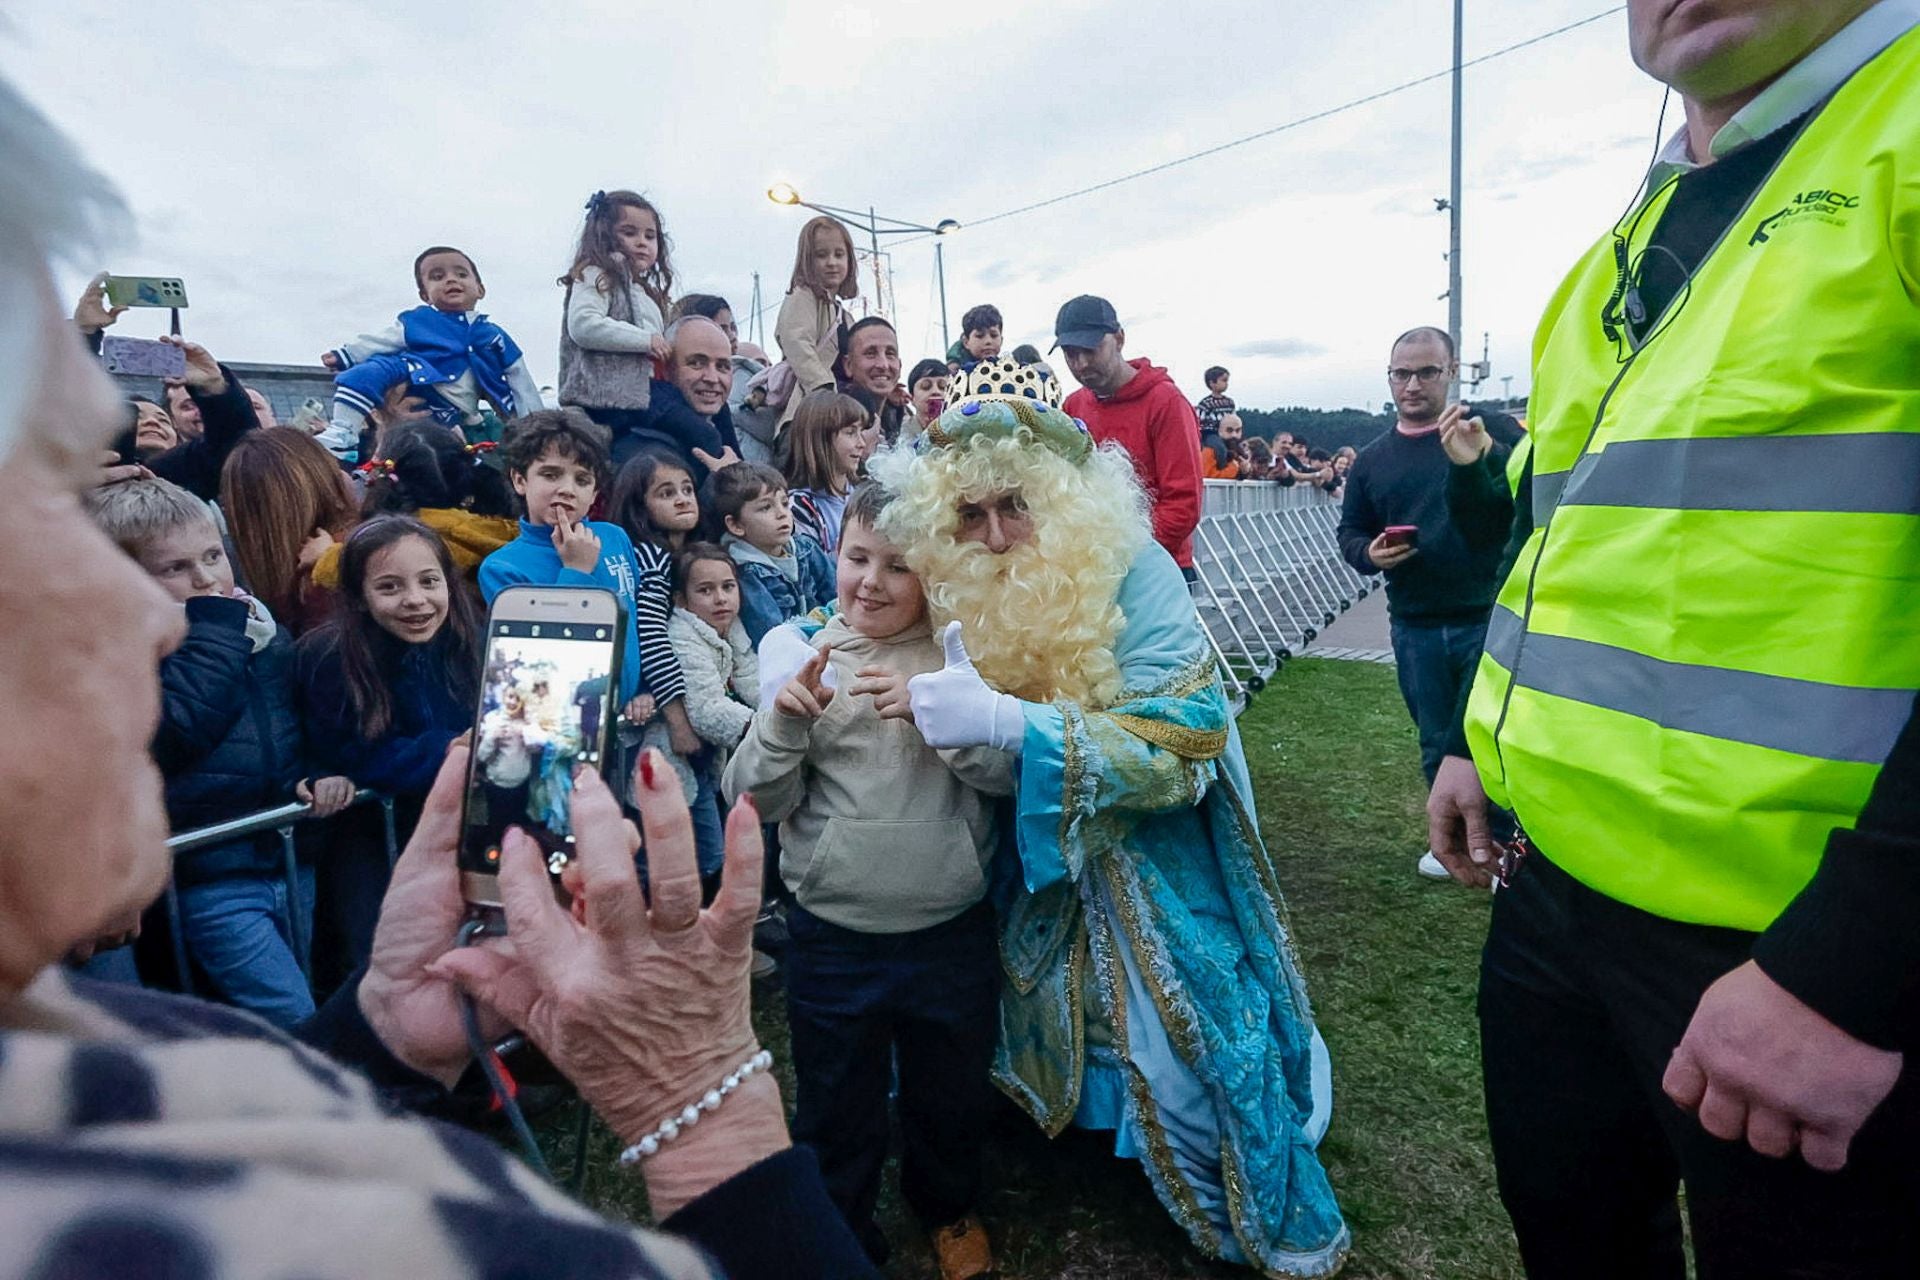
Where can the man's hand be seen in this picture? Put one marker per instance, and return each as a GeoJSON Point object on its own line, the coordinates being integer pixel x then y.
{"type": "Point", "coordinates": [805, 697]}
{"type": "Point", "coordinates": [579, 546]}
{"type": "Point", "coordinates": [888, 690]}
{"type": "Point", "coordinates": [1457, 823]}
{"type": "Point", "coordinates": [1757, 1063]}
{"type": "Point", "coordinates": [1465, 439]}
{"type": "Point", "coordinates": [726, 459]}
{"type": "Point", "coordinates": [92, 314]}
{"type": "Point", "coordinates": [328, 796]}
{"type": "Point", "coordinates": [204, 375]}
{"type": "Point", "coordinates": [1387, 556]}
{"type": "Point", "coordinates": [660, 349]}
{"type": "Point", "coordinates": [899, 397]}
{"type": "Point", "coordinates": [331, 361]}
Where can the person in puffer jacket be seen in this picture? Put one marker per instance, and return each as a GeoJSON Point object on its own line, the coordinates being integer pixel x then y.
{"type": "Point", "coordinates": [723, 680]}
{"type": "Point", "coordinates": [228, 744]}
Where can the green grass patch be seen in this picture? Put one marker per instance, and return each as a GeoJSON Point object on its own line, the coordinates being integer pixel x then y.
{"type": "Point", "coordinates": [1391, 961]}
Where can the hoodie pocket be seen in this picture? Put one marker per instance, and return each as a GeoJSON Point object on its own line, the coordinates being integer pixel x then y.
{"type": "Point", "coordinates": [892, 877]}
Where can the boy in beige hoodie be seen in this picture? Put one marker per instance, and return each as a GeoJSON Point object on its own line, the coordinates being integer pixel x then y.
{"type": "Point", "coordinates": [885, 844]}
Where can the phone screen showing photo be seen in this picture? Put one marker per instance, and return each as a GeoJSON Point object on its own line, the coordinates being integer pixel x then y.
{"type": "Point", "coordinates": [545, 705]}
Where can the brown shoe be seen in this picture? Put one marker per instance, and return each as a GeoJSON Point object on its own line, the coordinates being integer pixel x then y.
{"type": "Point", "coordinates": [963, 1250]}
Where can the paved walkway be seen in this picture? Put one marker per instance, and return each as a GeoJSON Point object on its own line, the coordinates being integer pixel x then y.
{"type": "Point", "coordinates": [1359, 635]}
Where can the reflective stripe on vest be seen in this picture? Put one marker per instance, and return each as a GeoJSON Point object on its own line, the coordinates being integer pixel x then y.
{"type": "Point", "coordinates": [1825, 721]}
{"type": "Point", "coordinates": [1711, 639]}
{"type": "Point", "coordinates": [1878, 471]}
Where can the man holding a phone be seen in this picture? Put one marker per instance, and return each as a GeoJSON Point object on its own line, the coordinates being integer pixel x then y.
{"type": "Point", "coordinates": [1394, 520]}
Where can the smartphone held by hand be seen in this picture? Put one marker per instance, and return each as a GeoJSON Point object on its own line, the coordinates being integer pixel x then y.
{"type": "Point", "coordinates": [1400, 535]}
{"type": "Point", "coordinates": [143, 358]}
{"type": "Point", "coordinates": [549, 693]}
{"type": "Point", "coordinates": [146, 291]}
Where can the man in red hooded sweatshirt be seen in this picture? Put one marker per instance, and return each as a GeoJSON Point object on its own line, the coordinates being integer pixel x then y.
{"type": "Point", "coordinates": [1135, 404]}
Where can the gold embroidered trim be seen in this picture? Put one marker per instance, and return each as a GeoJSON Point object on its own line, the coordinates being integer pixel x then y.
{"type": "Point", "coordinates": [1054, 1121]}
{"type": "Point", "coordinates": [1174, 1190]}
{"type": "Point", "coordinates": [1190, 744]}
{"type": "Point", "coordinates": [1174, 1015]}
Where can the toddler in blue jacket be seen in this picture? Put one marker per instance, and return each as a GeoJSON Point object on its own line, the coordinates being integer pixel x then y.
{"type": "Point", "coordinates": [449, 354]}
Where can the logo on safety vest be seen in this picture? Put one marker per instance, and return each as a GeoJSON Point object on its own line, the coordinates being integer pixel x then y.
{"type": "Point", "coordinates": [1824, 206]}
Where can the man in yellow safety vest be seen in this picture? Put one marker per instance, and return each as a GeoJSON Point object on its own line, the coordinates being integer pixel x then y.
{"type": "Point", "coordinates": [1698, 689]}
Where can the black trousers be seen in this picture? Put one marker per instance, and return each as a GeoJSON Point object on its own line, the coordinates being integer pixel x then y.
{"type": "Point", "coordinates": [854, 1002]}
{"type": "Point", "coordinates": [1582, 1001]}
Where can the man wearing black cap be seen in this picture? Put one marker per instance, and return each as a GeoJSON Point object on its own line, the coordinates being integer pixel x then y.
{"type": "Point", "coordinates": [1136, 405]}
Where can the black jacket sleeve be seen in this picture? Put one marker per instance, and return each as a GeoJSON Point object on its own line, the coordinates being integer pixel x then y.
{"type": "Point", "coordinates": [1359, 523]}
{"type": "Point", "coordinates": [339, 1029]}
{"type": "Point", "coordinates": [1479, 502]}
{"type": "Point", "coordinates": [796, 1232]}
{"type": "Point", "coordinates": [203, 683]}
{"type": "Point", "coordinates": [1519, 529]}
{"type": "Point", "coordinates": [195, 465]}
{"type": "Point", "coordinates": [1848, 945]}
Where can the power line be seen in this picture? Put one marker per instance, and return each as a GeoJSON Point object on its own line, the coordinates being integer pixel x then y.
{"type": "Point", "coordinates": [1316, 116]}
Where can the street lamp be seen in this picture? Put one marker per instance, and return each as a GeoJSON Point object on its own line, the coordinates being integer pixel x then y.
{"type": "Point", "coordinates": [876, 226]}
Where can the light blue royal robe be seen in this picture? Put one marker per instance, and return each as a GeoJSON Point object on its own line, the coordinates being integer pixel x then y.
{"type": "Point", "coordinates": [1152, 985]}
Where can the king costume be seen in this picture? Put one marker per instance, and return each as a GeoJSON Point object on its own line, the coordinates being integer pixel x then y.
{"type": "Point", "coordinates": [1151, 987]}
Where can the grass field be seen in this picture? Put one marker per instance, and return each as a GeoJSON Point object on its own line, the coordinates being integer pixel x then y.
{"type": "Point", "coordinates": [1390, 961]}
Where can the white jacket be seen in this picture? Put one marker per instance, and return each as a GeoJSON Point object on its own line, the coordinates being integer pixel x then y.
{"type": "Point", "coordinates": [593, 328]}
{"type": "Point", "coordinates": [712, 665]}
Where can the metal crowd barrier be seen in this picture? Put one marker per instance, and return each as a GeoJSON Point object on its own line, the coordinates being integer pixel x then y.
{"type": "Point", "coordinates": [281, 821]}
{"type": "Point", "coordinates": [1271, 576]}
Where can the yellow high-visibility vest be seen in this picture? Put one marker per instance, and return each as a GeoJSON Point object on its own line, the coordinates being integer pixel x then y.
{"type": "Point", "coordinates": [1712, 639]}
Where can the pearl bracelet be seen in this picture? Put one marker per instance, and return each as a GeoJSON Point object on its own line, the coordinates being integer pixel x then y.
{"type": "Point", "coordinates": [689, 1115]}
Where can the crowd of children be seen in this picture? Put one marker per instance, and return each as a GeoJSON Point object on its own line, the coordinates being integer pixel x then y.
{"type": "Point", "coordinates": [334, 579]}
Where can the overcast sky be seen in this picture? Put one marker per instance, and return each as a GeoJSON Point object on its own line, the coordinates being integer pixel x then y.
{"type": "Point", "coordinates": [288, 159]}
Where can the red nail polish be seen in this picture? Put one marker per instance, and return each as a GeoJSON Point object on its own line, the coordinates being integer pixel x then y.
{"type": "Point", "coordinates": [646, 768]}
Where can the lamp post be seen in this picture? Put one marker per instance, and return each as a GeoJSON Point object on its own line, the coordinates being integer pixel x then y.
{"type": "Point", "coordinates": [876, 226]}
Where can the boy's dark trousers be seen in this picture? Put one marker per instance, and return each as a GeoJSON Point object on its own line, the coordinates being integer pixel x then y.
{"type": "Point", "coordinates": [1582, 1001]}
{"type": "Point", "coordinates": [854, 1001]}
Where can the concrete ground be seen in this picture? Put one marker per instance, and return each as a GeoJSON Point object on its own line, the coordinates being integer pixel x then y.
{"type": "Point", "coordinates": [1360, 633]}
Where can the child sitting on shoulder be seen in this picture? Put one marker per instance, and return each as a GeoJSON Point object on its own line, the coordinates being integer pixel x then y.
{"type": "Point", "coordinates": [556, 461]}
{"type": "Point", "coordinates": [615, 313]}
{"type": "Point", "coordinates": [448, 353]}
{"type": "Point", "coordinates": [893, 955]}
{"type": "Point", "coordinates": [1216, 404]}
{"type": "Point", "coordinates": [723, 682]}
{"type": "Point", "coordinates": [783, 574]}
{"type": "Point", "coordinates": [980, 337]}
{"type": "Point", "coordinates": [228, 744]}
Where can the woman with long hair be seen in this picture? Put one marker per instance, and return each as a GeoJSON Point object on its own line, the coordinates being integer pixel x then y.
{"type": "Point", "coordinates": [286, 501]}
{"type": "Point", "coordinates": [385, 688]}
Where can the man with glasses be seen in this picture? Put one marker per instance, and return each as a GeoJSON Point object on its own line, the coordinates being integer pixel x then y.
{"type": "Point", "coordinates": [1440, 589]}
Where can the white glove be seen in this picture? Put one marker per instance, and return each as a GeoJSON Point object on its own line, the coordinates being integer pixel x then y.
{"type": "Point", "coordinates": [954, 707]}
{"type": "Point", "coordinates": [783, 651]}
